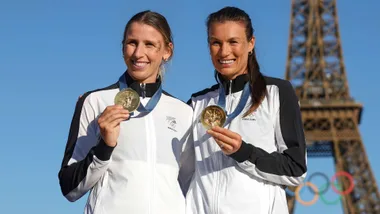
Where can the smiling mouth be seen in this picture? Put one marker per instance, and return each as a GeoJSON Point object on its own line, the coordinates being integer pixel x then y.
{"type": "Point", "coordinates": [139, 64]}
{"type": "Point", "coordinates": [226, 61]}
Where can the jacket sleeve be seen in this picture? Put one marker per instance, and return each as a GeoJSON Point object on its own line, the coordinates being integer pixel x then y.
{"type": "Point", "coordinates": [86, 156]}
{"type": "Point", "coordinates": [286, 166]}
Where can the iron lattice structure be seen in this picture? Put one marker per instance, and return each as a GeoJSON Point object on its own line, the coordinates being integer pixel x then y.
{"type": "Point", "coordinates": [330, 116]}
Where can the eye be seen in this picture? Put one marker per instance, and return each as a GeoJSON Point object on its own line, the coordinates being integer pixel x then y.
{"type": "Point", "coordinates": [131, 42]}
{"type": "Point", "coordinates": [233, 42]}
{"type": "Point", "coordinates": [215, 43]}
{"type": "Point", "coordinates": [149, 44]}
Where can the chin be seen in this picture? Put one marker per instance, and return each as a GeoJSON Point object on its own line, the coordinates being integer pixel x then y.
{"type": "Point", "coordinates": [227, 72]}
{"type": "Point", "coordinates": [140, 76]}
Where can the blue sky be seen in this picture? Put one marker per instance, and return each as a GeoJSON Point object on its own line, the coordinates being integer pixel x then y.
{"type": "Point", "coordinates": [53, 51]}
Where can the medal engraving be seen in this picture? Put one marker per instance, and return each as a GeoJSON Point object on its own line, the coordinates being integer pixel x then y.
{"type": "Point", "coordinates": [128, 98]}
{"type": "Point", "coordinates": [213, 116]}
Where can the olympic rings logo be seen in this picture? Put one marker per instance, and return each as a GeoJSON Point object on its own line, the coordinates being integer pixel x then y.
{"type": "Point", "coordinates": [319, 192]}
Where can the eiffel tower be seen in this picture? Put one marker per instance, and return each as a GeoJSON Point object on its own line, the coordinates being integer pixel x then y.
{"type": "Point", "coordinates": [330, 116]}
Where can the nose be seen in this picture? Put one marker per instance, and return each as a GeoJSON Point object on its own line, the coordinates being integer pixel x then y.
{"type": "Point", "coordinates": [224, 50]}
{"type": "Point", "coordinates": [139, 51]}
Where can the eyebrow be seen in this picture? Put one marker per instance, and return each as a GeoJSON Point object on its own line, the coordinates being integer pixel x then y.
{"type": "Point", "coordinates": [232, 38]}
{"type": "Point", "coordinates": [156, 42]}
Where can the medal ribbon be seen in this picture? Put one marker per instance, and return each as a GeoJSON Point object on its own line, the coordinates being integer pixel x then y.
{"type": "Point", "coordinates": [243, 100]}
{"type": "Point", "coordinates": [151, 103]}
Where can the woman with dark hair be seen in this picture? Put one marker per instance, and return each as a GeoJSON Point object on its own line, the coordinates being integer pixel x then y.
{"type": "Point", "coordinates": [127, 143]}
{"type": "Point", "coordinates": [257, 146]}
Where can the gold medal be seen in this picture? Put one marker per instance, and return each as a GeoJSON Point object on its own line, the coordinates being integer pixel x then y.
{"type": "Point", "coordinates": [213, 116]}
{"type": "Point", "coordinates": [128, 98]}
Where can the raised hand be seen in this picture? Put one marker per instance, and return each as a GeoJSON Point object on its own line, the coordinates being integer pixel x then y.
{"type": "Point", "coordinates": [109, 123]}
{"type": "Point", "coordinates": [227, 140]}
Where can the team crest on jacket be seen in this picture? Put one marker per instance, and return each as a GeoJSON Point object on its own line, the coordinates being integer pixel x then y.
{"type": "Point", "coordinates": [251, 116]}
{"type": "Point", "coordinates": [172, 123]}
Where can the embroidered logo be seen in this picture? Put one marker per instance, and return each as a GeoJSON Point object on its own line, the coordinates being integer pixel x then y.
{"type": "Point", "coordinates": [172, 123]}
{"type": "Point", "coordinates": [250, 117]}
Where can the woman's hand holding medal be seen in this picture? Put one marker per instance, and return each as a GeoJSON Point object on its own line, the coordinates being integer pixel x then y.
{"type": "Point", "coordinates": [228, 140]}
{"type": "Point", "coordinates": [109, 123]}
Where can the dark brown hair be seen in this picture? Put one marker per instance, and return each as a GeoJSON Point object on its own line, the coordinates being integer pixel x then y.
{"type": "Point", "coordinates": [156, 21]}
{"type": "Point", "coordinates": [256, 79]}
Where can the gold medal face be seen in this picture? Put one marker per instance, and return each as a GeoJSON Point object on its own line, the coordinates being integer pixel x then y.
{"type": "Point", "coordinates": [128, 98]}
{"type": "Point", "coordinates": [213, 116]}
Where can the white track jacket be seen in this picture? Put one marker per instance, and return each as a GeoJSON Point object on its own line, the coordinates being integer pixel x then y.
{"type": "Point", "coordinates": [273, 153]}
{"type": "Point", "coordinates": [140, 174]}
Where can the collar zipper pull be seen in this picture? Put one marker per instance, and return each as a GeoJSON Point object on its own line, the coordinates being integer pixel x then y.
{"type": "Point", "coordinates": [230, 87]}
{"type": "Point", "coordinates": [231, 97]}
{"type": "Point", "coordinates": [143, 93]}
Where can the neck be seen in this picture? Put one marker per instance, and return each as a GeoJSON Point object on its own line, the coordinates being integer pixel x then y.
{"type": "Point", "coordinates": [233, 85]}
{"type": "Point", "coordinates": [147, 80]}
{"type": "Point", "coordinates": [233, 76]}
{"type": "Point", "coordinates": [145, 88]}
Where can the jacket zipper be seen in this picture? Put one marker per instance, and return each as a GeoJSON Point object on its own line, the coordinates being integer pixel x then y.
{"type": "Point", "coordinates": [230, 95]}
{"type": "Point", "coordinates": [151, 151]}
{"type": "Point", "coordinates": [216, 190]}
{"type": "Point", "coordinates": [142, 86]}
